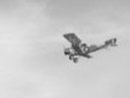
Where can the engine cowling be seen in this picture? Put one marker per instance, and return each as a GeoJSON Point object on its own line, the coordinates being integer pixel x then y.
{"type": "Point", "coordinates": [67, 51]}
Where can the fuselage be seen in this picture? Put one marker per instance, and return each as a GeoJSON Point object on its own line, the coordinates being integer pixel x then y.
{"type": "Point", "coordinates": [79, 51]}
{"type": "Point", "coordinates": [84, 51]}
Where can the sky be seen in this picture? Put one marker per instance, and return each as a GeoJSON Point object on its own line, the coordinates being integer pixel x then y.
{"type": "Point", "coordinates": [32, 62]}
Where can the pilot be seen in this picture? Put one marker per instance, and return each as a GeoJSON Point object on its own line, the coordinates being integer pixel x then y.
{"type": "Point", "coordinates": [84, 47]}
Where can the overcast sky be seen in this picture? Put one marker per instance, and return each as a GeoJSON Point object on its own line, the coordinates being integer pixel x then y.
{"type": "Point", "coordinates": [32, 63]}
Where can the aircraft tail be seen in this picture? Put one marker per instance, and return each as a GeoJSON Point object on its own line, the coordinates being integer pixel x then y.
{"type": "Point", "coordinates": [111, 42]}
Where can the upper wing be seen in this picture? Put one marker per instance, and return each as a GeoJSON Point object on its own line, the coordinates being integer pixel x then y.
{"type": "Point", "coordinates": [72, 38]}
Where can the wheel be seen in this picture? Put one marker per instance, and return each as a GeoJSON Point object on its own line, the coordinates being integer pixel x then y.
{"type": "Point", "coordinates": [75, 60]}
{"type": "Point", "coordinates": [71, 57]}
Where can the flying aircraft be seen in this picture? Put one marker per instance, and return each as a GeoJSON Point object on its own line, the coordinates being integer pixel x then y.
{"type": "Point", "coordinates": [78, 48]}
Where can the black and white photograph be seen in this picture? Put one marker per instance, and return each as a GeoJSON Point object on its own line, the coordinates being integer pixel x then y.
{"type": "Point", "coordinates": [64, 49]}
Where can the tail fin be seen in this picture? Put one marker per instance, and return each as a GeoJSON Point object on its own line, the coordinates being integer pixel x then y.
{"type": "Point", "coordinates": [111, 42]}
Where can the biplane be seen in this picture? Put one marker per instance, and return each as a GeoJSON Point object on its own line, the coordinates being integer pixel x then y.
{"type": "Point", "coordinates": [78, 48]}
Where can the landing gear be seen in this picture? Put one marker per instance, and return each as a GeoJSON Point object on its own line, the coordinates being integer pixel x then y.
{"type": "Point", "coordinates": [71, 57]}
{"type": "Point", "coordinates": [75, 60]}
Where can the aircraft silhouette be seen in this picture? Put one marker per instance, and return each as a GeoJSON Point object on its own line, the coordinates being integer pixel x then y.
{"type": "Point", "coordinates": [78, 48]}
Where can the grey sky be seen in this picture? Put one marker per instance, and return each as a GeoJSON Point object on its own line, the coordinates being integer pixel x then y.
{"type": "Point", "coordinates": [32, 63]}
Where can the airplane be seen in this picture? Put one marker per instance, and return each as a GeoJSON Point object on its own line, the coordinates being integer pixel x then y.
{"type": "Point", "coordinates": [78, 48]}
